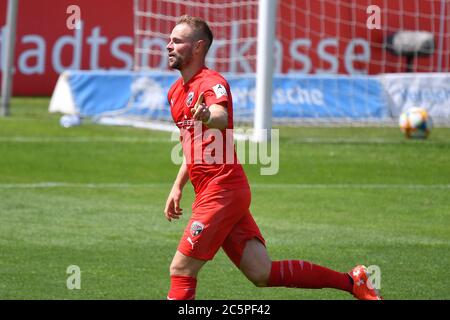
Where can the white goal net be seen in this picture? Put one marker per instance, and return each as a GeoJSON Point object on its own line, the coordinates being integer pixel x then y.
{"type": "Point", "coordinates": [335, 61]}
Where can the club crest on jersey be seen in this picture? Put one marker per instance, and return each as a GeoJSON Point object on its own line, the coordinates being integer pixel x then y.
{"type": "Point", "coordinates": [189, 99]}
{"type": "Point", "coordinates": [220, 91]}
{"type": "Point", "coordinates": [196, 228]}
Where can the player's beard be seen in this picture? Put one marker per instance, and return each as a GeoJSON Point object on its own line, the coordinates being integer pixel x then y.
{"type": "Point", "coordinates": [179, 61]}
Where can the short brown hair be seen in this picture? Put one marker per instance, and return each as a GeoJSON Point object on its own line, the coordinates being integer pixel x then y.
{"type": "Point", "coordinates": [200, 27]}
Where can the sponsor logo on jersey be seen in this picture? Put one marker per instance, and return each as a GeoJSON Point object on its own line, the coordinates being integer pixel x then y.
{"type": "Point", "coordinates": [220, 91]}
{"type": "Point", "coordinates": [185, 124]}
{"type": "Point", "coordinates": [196, 228]}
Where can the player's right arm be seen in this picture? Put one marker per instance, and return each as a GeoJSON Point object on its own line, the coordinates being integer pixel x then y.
{"type": "Point", "coordinates": [173, 210]}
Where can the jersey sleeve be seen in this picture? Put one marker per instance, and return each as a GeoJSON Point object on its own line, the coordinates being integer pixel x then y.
{"type": "Point", "coordinates": [215, 91]}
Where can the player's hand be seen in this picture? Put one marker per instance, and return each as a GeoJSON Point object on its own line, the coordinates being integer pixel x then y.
{"type": "Point", "coordinates": [173, 210]}
{"type": "Point", "coordinates": [200, 111]}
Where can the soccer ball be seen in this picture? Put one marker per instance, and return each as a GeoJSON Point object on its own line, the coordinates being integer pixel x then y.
{"type": "Point", "coordinates": [70, 120]}
{"type": "Point", "coordinates": [415, 123]}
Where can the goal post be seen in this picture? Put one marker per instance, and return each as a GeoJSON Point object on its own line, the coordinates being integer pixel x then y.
{"type": "Point", "coordinates": [7, 61]}
{"type": "Point", "coordinates": [264, 69]}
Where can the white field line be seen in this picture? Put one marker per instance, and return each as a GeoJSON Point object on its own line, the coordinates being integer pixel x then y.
{"type": "Point", "coordinates": [311, 140]}
{"type": "Point", "coordinates": [352, 186]}
{"type": "Point", "coordinates": [83, 139]}
{"type": "Point", "coordinates": [45, 185]}
{"type": "Point", "coordinates": [351, 140]}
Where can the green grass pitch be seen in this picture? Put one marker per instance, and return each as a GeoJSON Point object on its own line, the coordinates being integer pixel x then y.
{"type": "Point", "coordinates": [93, 196]}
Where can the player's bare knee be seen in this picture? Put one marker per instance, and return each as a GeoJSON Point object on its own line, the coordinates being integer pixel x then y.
{"type": "Point", "coordinates": [176, 269]}
{"type": "Point", "coordinates": [172, 269]}
{"type": "Point", "coordinates": [184, 267]}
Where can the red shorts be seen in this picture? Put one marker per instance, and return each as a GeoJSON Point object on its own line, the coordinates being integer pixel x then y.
{"type": "Point", "coordinates": [220, 219]}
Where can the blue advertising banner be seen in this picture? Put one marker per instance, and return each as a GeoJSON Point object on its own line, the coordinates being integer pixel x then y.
{"type": "Point", "coordinates": [304, 96]}
{"type": "Point", "coordinates": [144, 95]}
{"type": "Point", "coordinates": [430, 91]}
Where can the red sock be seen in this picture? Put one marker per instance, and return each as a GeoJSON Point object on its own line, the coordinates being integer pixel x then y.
{"type": "Point", "coordinates": [303, 274]}
{"type": "Point", "coordinates": [182, 288]}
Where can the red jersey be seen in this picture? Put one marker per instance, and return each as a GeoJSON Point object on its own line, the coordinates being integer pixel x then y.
{"type": "Point", "coordinates": [210, 154]}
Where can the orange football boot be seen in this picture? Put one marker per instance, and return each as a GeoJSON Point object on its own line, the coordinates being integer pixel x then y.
{"type": "Point", "coordinates": [362, 288]}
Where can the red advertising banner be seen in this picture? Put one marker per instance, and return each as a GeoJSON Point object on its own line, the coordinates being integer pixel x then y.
{"type": "Point", "coordinates": [312, 37]}
{"type": "Point", "coordinates": [45, 46]}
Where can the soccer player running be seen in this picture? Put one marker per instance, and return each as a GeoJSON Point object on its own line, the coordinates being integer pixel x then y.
{"type": "Point", "coordinates": [201, 99]}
